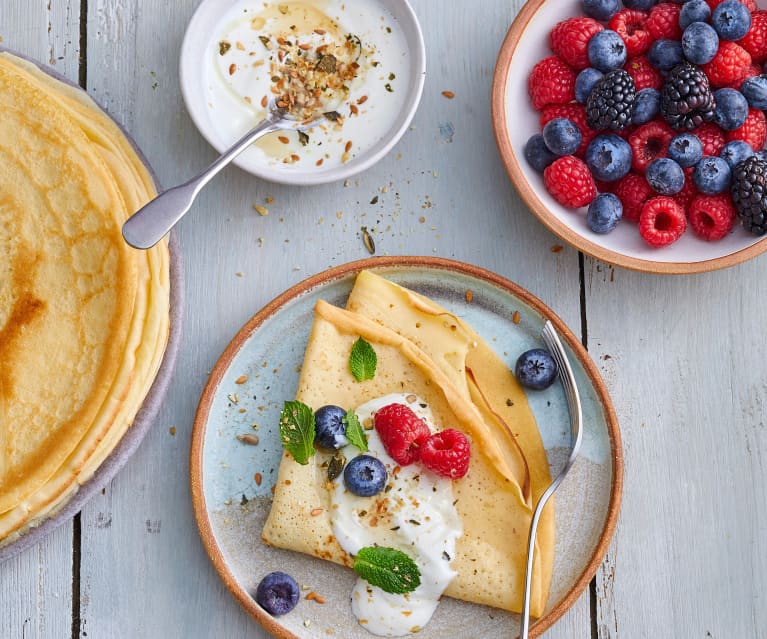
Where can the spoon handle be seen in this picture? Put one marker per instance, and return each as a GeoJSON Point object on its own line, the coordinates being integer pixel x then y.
{"type": "Point", "coordinates": [150, 224]}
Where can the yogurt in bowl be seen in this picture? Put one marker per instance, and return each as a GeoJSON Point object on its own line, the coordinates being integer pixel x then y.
{"type": "Point", "coordinates": [360, 63]}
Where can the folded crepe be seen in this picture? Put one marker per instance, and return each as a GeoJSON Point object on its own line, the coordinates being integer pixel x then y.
{"type": "Point", "coordinates": [425, 350]}
{"type": "Point", "coordinates": [84, 319]}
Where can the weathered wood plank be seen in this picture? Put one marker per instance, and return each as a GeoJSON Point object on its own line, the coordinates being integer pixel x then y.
{"type": "Point", "coordinates": [36, 586]}
{"type": "Point", "coordinates": [684, 359]}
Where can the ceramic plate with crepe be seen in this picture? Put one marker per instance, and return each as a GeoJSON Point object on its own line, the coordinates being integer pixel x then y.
{"type": "Point", "coordinates": [87, 336]}
{"type": "Point", "coordinates": [233, 480]}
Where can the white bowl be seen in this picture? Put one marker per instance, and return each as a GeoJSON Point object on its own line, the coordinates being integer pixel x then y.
{"type": "Point", "coordinates": [515, 120]}
{"type": "Point", "coordinates": [222, 119]}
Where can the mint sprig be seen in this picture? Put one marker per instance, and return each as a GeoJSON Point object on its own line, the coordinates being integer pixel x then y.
{"type": "Point", "coordinates": [297, 430]}
{"type": "Point", "coordinates": [354, 431]}
{"type": "Point", "coordinates": [388, 568]}
{"type": "Point", "coordinates": [362, 360]}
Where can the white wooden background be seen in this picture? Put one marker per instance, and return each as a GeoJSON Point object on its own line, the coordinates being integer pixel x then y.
{"type": "Point", "coordinates": [683, 356]}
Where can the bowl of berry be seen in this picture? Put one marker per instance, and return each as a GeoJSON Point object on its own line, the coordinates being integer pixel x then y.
{"type": "Point", "coordinates": [639, 127]}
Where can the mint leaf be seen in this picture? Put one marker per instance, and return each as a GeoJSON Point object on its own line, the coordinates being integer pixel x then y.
{"type": "Point", "coordinates": [297, 430]}
{"type": "Point", "coordinates": [388, 568]}
{"type": "Point", "coordinates": [354, 431]}
{"type": "Point", "coordinates": [362, 360]}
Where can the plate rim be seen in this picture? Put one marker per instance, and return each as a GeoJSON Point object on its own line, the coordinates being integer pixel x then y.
{"type": "Point", "coordinates": [533, 202]}
{"type": "Point", "coordinates": [336, 273]}
{"type": "Point", "coordinates": [150, 407]}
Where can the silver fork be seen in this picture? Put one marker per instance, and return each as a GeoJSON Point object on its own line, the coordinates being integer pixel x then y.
{"type": "Point", "coordinates": [567, 379]}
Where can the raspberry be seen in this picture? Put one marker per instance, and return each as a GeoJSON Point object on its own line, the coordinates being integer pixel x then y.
{"type": "Point", "coordinates": [633, 191]}
{"type": "Point", "coordinates": [755, 41]}
{"type": "Point", "coordinates": [663, 21]}
{"type": "Point", "coordinates": [662, 221]}
{"type": "Point", "coordinates": [649, 142]}
{"type": "Point", "coordinates": [750, 4]}
{"type": "Point", "coordinates": [752, 71]}
{"type": "Point", "coordinates": [447, 453]}
{"type": "Point", "coordinates": [712, 138]}
{"type": "Point", "coordinates": [570, 182]}
{"type": "Point", "coordinates": [645, 75]}
{"type": "Point", "coordinates": [401, 431]}
{"type": "Point", "coordinates": [574, 112]}
{"type": "Point", "coordinates": [711, 216]}
{"type": "Point", "coordinates": [570, 38]}
{"type": "Point", "coordinates": [753, 130]}
{"type": "Point", "coordinates": [688, 192]}
{"type": "Point", "coordinates": [631, 26]}
{"type": "Point", "coordinates": [551, 82]}
{"type": "Point", "coordinates": [729, 66]}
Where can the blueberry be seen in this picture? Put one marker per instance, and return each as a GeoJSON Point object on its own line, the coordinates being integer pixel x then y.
{"type": "Point", "coordinates": [694, 11]}
{"type": "Point", "coordinates": [600, 9]}
{"type": "Point", "coordinates": [537, 153]}
{"type": "Point", "coordinates": [731, 108]}
{"type": "Point", "coordinates": [665, 54]}
{"type": "Point", "coordinates": [735, 152]}
{"type": "Point", "coordinates": [755, 91]}
{"type": "Point", "coordinates": [605, 211]}
{"type": "Point", "coordinates": [586, 81]}
{"type": "Point", "coordinates": [762, 155]}
{"type": "Point", "coordinates": [700, 43]}
{"type": "Point", "coordinates": [562, 136]}
{"type": "Point", "coordinates": [640, 5]}
{"type": "Point", "coordinates": [731, 19]}
{"type": "Point", "coordinates": [536, 369]}
{"type": "Point", "coordinates": [608, 157]}
{"type": "Point", "coordinates": [330, 430]}
{"type": "Point", "coordinates": [711, 175]}
{"type": "Point", "coordinates": [277, 593]}
{"type": "Point", "coordinates": [646, 106]}
{"type": "Point", "coordinates": [606, 50]}
{"type": "Point", "coordinates": [665, 176]}
{"type": "Point", "coordinates": [365, 476]}
{"type": "Point", "coordinates": [686, 149]}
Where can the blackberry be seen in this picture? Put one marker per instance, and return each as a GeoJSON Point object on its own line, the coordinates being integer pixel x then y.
{"type": "Point", "coordinates": [686, 100]}
{"type": "Point", "coordinates": [611, 101]}
{"type": "Point", "coordinates": [749, 194]}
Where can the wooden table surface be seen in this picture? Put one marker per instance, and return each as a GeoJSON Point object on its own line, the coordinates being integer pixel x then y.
{"type": "Point", "coordinates": [684, 357]}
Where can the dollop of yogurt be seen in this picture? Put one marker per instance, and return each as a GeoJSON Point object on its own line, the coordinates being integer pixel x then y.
{"type": "Point", "coordinates": [415, 513]}
{"type": "Point", "coordinates": [252, 39]}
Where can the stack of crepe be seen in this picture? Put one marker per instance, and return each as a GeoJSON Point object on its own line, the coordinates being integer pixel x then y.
{"type": "Point", "coordinates": [84, 319]}
{"type": "Point", "coordinates": [425, 350]}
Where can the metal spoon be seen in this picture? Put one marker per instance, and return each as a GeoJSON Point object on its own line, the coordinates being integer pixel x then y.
{"type": "Point", "coordinates": [150, 224]}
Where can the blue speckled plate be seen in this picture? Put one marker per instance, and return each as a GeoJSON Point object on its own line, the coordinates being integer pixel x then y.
{"type": "Point", "coordinates": [232, 481]}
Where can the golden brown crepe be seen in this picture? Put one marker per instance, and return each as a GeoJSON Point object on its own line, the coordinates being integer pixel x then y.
{"type": "Point", "coordinates": [425, 350]}
{"type": "Point", "coordinates": [84, 319]}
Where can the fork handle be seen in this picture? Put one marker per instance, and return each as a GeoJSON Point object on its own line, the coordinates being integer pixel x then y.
{"type": "Point", "coordinates": [524, 628]}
